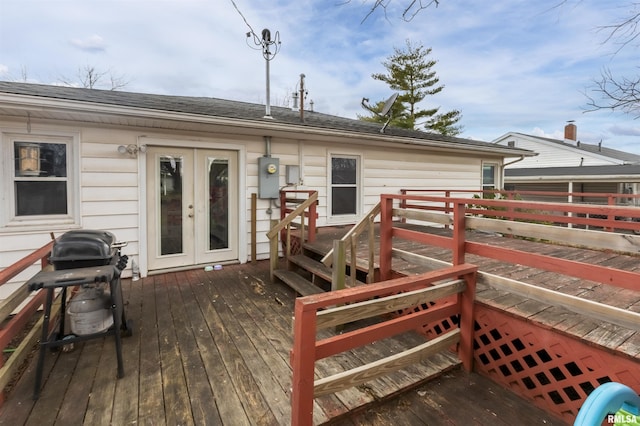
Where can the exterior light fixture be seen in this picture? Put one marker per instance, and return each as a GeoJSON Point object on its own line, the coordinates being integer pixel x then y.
{"type": "Point", "coordinates": [131, 149]}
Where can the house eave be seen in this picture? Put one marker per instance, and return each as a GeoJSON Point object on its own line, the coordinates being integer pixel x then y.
{"type": "Point", "coordinates": [34, 107]}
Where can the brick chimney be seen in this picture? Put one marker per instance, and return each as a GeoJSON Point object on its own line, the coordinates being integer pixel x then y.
{"type": "Point", "coordinates": [570, 132]}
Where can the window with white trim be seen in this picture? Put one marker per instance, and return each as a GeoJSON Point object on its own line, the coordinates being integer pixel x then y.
{"type": "Point", "coordinates": [490, 179]}
{"type": "Point", "coordinates": [38, 173]}
{"type": "Point", "coordinates": [344, 185]}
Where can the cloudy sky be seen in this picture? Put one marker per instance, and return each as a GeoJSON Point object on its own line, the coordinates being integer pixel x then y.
{"type": "Point", "coordinates": [507, 65]}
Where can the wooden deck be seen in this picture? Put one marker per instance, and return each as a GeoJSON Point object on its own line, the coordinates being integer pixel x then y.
{"type": "Point", "coordinates": [611, 336]}
{"type": "Point", "coordinates": [213, 348]}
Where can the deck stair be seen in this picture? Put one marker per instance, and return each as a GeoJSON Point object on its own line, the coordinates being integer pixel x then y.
{"type": "Point", "coordinates": [306, 275]}
{"type": "Point", "coordinates": [317, 264]}
{"type": "Point", "coordinates": [316, 252]}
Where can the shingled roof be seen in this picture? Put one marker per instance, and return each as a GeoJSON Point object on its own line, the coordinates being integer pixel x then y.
{"type": "Point", "coordinates": [626, 157]}
{"type": "Point", "coordinates": [214, 107]}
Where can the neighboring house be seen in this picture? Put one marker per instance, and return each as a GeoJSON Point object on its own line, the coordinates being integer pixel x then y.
{"type": "Point", "coordinates": [174, 176]}
{"type": "Point", "coordinates": [570, 166]}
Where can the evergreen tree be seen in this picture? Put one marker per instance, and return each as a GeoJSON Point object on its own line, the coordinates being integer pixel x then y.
{"type": "Point", "coordinates": [410, 73]}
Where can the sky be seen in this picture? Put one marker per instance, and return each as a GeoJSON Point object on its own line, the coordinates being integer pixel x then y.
{"type": "Point", "coordinates": [506, 65]}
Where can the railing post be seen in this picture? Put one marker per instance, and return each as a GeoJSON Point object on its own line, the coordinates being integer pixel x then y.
{"type": "Point", "coordinates": [283, 204]}
{"type": "Point", "coordinates": [403, 204]}
{"type": "Point", "coordinates": [312, 222]}
{"type": "Point", "coordinates": [611, 201]}
{"type": "Point", "coordinates": [371, 273]}
{"type": "Point", "coordinates": [338, 273]}
{"type": "Point", "coordinates": [303, 364]}
{"type": "Point", "coordinates": [386, 233]}
{"type": "Point", "coordinates": [273, 254]}
{"type": "Point", "coordinates": [466, 302]}
{"type": "Point", "coordinates": [458, 232]}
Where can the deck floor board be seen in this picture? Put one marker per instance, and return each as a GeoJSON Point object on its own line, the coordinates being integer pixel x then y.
{"type": "Point", "coordinates": [213, 348]}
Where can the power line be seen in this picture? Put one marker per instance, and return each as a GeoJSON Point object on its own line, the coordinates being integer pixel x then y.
{"type": "Point", "coordinates": [243, 18]}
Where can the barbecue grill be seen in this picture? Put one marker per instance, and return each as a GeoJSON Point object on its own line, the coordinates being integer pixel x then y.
{"type": "Point", "coordinates": [86, 259]}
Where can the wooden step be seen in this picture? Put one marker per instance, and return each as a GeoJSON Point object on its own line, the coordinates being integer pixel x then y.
{"type": "Point", "coordinates": [297, 283]}
{"type": "Point", "coordinates": [361, 264]}
{"type": "Point", "coordinates": [316, 268]}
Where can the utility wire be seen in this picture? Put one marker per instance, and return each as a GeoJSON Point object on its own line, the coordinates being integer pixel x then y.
{"type": "Point", "coordinates": [243, 18]}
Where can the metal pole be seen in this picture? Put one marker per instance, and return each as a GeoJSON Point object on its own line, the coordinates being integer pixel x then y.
{"type": "Point", "coordinates": [268, 104]}
{"type": "Point", "coordinates": [302, 97]}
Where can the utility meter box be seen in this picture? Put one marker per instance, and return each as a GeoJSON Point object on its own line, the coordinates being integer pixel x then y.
{"type": "Point", "coordinates": [292, 175]}
{"type": "Point", "coordinates": [268, 177]}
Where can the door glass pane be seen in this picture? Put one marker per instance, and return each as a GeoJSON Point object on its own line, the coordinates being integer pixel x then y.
{"type": "Point", "coordinates": [171, 199]}
{"type": "Point", "coordinates": [218, 203]}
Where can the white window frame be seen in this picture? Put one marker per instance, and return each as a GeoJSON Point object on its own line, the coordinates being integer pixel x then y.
{"type": "Point", "coordinates": [9, 222]}
{"type": "Point", "coordinates": [496, 176]}
{"type": "Point", "coordinates": [344, 218]}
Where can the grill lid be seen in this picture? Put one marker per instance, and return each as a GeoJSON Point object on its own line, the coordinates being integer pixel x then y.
{"type": "Point", "coordinates": [81, 248]}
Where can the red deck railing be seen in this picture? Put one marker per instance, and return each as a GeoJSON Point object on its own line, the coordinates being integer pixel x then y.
{"type": "Point", "coordinates": [572, 216]}
{"type": "Point", "coordinates": [14, 325]}
{"type": "Point", "coordinates": [554, 369]}
{"type": "Point", "coordinates": [541, 220]}
{"type": "Point", "coordinates": [318, 312]}
{"type": "Point", "coordinates": [533, 360]}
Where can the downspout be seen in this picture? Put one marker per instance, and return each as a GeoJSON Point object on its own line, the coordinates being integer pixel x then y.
{"type": "Point", "coordinates": [514, 161]}
{"type": "Point", "coordinates": [508, 164]}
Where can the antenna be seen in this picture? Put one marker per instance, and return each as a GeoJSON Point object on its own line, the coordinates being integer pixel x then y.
{"type": "Point", "coordinates": [385, 111]}
{"type": "Point", "coordinates": [265, 43]}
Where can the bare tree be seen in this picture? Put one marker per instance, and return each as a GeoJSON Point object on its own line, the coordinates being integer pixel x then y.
{"type": "Point", "coordinates": [615, 93]}
{"type": "Point", "coordinates": [410, 9]}
{"type": "Point", "coordinates": [90, 77]}
{"type": "Point", "coordinates": [618, 93]}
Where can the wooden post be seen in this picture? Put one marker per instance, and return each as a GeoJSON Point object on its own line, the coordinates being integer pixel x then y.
{"type": "Point", "coordinates": [386, 233]}
{"type": "Point", "coordinates": [353, 269]}
{"type": "Point", "coordinates": [338, 274]}
{"type": "Point", "coordinates": [458, 232]}
{"type": "Point", "coordinates": [254, 209]}
{"type": "Point", "coordinates": [312, 222]}
{"type": "Point", "coordinates": [273, 253]}
{"type": "Point", "coordinates": [303, 364]}
{"type": "Point", "coordinates": [372, 270]}
{"type": "Point", "coordinates": [466, 302]}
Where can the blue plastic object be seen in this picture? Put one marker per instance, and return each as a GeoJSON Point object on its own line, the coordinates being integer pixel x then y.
{"type": "Point", "coordinates": [610, 399]}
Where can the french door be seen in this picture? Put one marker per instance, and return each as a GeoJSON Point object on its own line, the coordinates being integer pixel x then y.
{"type": "Point", "coordinates": [192, 205]}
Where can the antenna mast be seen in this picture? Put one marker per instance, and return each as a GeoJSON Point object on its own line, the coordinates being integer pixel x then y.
{"type": "Point", "coordinates": [302, 93]}
{"type": "Point", "coordinates": [265, 43]}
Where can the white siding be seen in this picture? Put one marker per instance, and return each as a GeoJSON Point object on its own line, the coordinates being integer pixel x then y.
{"type": "Point", "coordinates": [111, 184]}
{"type": "Point", "coordinates": [552, 154]}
